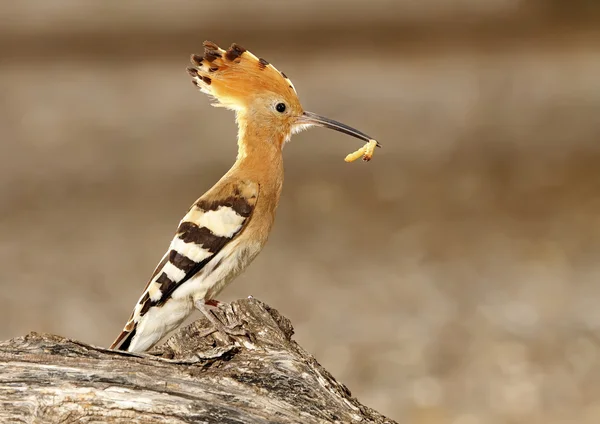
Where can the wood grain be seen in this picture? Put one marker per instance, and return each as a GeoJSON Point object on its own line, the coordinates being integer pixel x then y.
{"type": "Point", "coordinates": [264, 377]}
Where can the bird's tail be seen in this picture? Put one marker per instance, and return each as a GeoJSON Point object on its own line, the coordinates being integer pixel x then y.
{"type": "Point", "coordinates": [123, 341]}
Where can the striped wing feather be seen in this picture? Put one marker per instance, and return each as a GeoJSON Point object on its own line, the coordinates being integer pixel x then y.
{"type": "Point", "coordinates": [210, 224]}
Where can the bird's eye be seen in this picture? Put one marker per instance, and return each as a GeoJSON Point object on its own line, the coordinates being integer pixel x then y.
{"type": "Point", "coordinates": [280, 107]}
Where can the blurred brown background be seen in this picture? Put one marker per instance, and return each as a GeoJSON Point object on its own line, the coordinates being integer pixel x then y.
{"type": "Point", "coordinates": [454, 279]}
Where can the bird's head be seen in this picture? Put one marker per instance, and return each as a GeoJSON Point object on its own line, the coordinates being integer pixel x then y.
{"type": "Point", "coordinates": [257, 92]}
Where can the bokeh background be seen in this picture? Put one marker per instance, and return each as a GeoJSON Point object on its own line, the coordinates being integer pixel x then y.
{"type": "Point", "coordinates": [453, 279]}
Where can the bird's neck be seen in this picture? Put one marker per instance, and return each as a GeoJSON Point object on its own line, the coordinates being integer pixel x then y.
{"type": "Point", "coordinates": [257, 138]}
{"type": "Point", "coordinates": [259, 147]}
{"type": "Point", "coordinates": [260, 157]}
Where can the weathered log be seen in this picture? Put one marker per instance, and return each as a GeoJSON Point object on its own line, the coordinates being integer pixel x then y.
{"type": "Point", "coordinates": [264, 377]}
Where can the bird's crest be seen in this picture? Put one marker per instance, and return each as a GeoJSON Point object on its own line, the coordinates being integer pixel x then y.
{"type": "Point", "coordinates": [235, 75]}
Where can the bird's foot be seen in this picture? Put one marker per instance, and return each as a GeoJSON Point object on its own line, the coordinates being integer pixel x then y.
{"type": "Point", "coordinates": [214, 303]}
{"type": "Point", "coordinates": [227, 330]}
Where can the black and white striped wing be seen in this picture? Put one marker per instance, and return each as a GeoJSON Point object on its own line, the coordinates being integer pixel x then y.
{"type": "Point", "coordinates": [209, 225]}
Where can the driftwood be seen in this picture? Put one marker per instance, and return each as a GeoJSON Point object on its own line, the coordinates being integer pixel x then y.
{"type": "Point", "coordinates": [264, 377]}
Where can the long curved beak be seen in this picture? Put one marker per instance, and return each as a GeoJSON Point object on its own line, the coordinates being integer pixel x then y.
{"type": "Point", "coordinates": [309, 118]}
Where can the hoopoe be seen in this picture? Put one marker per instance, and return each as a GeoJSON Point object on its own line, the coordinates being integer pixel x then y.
{"type": "Point", "coordinates": [227, 227]}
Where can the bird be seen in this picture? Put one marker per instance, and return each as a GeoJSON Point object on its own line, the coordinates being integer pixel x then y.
{"type": "Point", "coordinates": [226, 228]}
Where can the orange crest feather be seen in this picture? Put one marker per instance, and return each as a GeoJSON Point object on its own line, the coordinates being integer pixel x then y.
{"type": "Point", "coordinates": [235, 75]}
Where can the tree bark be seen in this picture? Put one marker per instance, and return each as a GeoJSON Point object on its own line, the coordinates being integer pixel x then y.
{"type": "Point", "coordinates": [264, 377]}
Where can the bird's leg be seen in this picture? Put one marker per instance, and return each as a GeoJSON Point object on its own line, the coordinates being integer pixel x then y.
{"type": "Point", "coordinates": [227, 330]}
